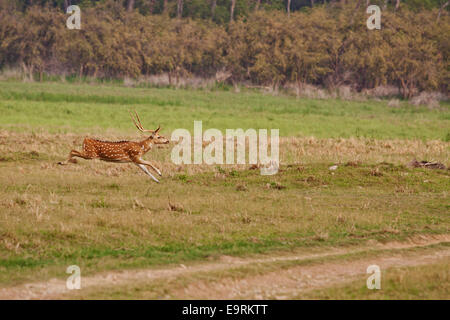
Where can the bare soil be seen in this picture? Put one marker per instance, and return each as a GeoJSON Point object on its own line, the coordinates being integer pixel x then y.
{"type": "Point", "coordinates": [277, 285]}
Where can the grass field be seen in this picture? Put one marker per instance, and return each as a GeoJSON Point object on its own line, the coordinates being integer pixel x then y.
{"type": "Point", "coordinates": [59, 107]}
{"type": "Point", "coordinates": [105, 217]}
{"type": "Point", "coordinates": [420, 282]}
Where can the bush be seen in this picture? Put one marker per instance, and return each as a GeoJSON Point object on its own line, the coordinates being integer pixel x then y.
{"type": "Point", "coordinates": [319, 47]}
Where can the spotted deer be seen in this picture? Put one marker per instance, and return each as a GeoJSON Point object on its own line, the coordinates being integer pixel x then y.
{"type": "Point", "coordinates": [121, 151]}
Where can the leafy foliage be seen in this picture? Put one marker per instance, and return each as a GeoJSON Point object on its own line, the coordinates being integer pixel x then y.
{"type": "Point", "coordinates": [324, 45]}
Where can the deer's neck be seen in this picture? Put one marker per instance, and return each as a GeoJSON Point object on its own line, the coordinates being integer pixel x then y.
{"type": "Point", "coordinates": [147, 144]}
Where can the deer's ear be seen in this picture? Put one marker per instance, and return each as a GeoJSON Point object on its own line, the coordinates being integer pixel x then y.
{"type": "Point", "coordinates": [159, 127]}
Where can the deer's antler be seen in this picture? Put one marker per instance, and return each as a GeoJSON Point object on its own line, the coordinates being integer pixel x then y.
{"type": "Point", "coordinates": [138, 124]}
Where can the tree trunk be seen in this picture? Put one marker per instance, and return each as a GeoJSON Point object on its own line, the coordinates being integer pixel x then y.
{"type": "Point", "coordinates": [130, 5]}
{"type": "Point", "coordinates": [233, 4]}
{"type": "Point", "coordinates": [405, 91]}
{"type": "Point", "coordinates": [31, 71]}
{"type": "Point", "coordinates": [67, 3]}
{"type": "Point", "coordinates": [299, 87]}
{"type": "Point", "coordinates": [358, 4]}
{"type": "Point", "coordinates": [25, 69]}
{"type": "Point", "coordinates": [179, 9]}
{"type": "Point", "coordinates": [289, 8]}
{"type": "Point", "coordinates": [213, 7]}
{"type": "Point", "coordinates": [397, 4]}
{"type": "Point", "coordinates": [312, 3]}
{"type": "Point", "coordinates": [442, 8]}
{"type": "Point", "coordinates": [258, 3]}
{"type": "Point", "coordinates": [165, 6]}
{"type": "Point", "coordinates": [151, 6]}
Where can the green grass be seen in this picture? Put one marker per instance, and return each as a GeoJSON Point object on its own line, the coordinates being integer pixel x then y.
{"type": "Point", "coordinates": [60, 216]}
{"type": "Point", "coordinates": [104, 216]}
{"type": "Point", "coordinates": [392, 288]}
{"type": "Point", "coordinates": [62, 108]}
{"type": "Point", "coordinates": [428, 282]}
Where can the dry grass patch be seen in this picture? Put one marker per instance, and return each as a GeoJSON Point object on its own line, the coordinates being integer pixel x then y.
{"type": "Point", "coordinates": [51, 148]}
{"type": "Point", "coordinates": [105, 216]}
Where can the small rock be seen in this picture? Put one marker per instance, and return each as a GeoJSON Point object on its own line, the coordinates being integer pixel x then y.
{"type": "Point", "coordinates": [241, 187]}
{"type": "Point", "coordinates": [427, 164]}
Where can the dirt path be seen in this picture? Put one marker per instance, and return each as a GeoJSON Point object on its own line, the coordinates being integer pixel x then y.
{"type": "Point", "coordinates": [271, 285]}
{"type": "Point", "coordinates": [290, 283]}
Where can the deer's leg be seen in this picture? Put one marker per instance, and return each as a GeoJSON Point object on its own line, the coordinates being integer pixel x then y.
{"type": "Point", "coordinates": [146, 171]}
{"type": "Point", "coordinates": [72, 153]}
{"type": "Point", "coordinates": [83, 154]}
{"type": "Point", "coordinates": [147, 163]}
{"type": "Point", "coordinates": [75, 153]}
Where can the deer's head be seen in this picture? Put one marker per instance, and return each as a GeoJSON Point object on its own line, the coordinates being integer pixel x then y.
{"type": "Point", "coordinates": [157, 138]}
{"type": "Point", "coordinates": [154, 135]}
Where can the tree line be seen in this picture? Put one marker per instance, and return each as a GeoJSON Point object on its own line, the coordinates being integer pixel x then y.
{"type": "Point", "coordinates": [223, 11]}
{"type": "Point", "coordinates": [324, 45]}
